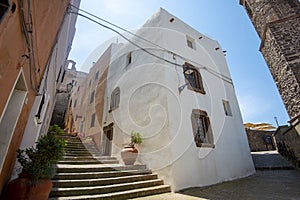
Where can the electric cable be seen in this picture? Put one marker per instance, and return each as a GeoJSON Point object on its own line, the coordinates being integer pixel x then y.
{"type": "Point", "coordinates": [217, 74]}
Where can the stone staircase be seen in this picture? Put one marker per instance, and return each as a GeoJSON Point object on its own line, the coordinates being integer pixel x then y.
{"type": "Point", "coordinates": [85, 174]}
{"type": "Point", "coordinates": [270, 160]}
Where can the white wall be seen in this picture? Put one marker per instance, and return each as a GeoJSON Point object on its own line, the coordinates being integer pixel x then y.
{"type": "Point", "coordinates": [151, 104]}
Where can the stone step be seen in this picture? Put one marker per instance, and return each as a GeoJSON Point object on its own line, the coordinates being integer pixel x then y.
{"type": "Point", "coordinates": [77, 146]}
{"type": "Point", "coordinates": [134, 193]}
{"type": "Point", "coordinates": [81, 149]}
{"type": "Point", "coordinates": [270, 160]}
{"type": "Point", "coordinates": [89, 157]}
{"type": "Point", "coordinates": [102, 181]}
{"type": "Point", "coordinates": [87, 162]}
{"type": "Point", "coordinates": [105, 174]}
{"type": "Point", "coordinates": [92, 190]}
{"type": "Point", "coordinates": [60, 168]}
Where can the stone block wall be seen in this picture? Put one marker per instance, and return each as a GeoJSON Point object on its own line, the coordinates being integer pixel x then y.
{"type": "Point", "coordinates": [278, 51]}
{"type": "Point", "coordinates": [277, 22]}
{"type": "Point", "coordinates": [288, 143]}
{"type": "Point", "coordinates": [257, 142]}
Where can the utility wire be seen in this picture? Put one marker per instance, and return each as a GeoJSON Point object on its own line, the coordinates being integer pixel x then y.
{"type": "Point", "coordinates": [219, 75]}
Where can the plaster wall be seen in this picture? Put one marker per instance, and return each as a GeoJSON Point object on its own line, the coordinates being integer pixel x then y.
{"type": "Point", "coordinates": [151, 104]}
{"type": "Point", "coordinates": [46, 19]}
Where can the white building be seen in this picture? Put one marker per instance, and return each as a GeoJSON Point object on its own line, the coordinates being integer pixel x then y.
{"type": "Point", "coordinates": [171, 84]}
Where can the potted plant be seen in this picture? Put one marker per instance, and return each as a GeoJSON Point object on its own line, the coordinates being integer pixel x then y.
{"type": "Point", "coordinates": [37, 162]}
{"type": "Point", "coordinates": [129, 153]}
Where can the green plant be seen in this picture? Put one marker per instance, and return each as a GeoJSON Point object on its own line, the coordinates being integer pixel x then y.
{"type": "Point", "coordinates": [135, 138]}
{"type": "Point", "coordinates": [38, 161]}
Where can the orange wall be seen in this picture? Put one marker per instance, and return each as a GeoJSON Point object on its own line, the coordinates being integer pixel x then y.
{"type": "Point", "coordinates": [47, 18]}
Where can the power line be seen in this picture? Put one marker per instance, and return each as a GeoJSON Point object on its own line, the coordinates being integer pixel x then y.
{"type": "Point", "coordinates": [217, 74]}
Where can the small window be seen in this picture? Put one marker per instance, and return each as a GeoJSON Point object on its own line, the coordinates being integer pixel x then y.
{"type": "Point", "coordinates": [227, 108]}
{"type": "Point", "coordinates": [203, 136]}
{"type": "Point", "coordinates": [4, 5]}
{"type": "Point", "coordinates": [128, 59]}
{"type": "Point", "coordinates": [90, 83]}
{"type": "Point", "coordinates": [57, 80]}
{"type": "Point", "coordinates": [190, 42]}
{"type": "Point", "coordinates": [63, 76]}
{"type": "Point", "coordinates": [38, 114]}
{"type": "Point", "coordinates": [115, 99]}
{"type": "Point", "coordinates": [75, 103]}
{"type": "Point", "coordinates": [93, 120]}
{"type": "Point", "coordinates": [78, 88]}
{"type": "Point", "coordinates": [92, 97]}
{"type": "Point", "coordinates": [97, 75]}
{"type": "Point", "coordinates": [193, 78]}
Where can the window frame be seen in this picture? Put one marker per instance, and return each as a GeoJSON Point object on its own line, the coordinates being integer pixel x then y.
{"type": "Point", "coordinates": [92, 97]}
{"type": "Point", "coordinates": [190, 42]}
{"type": "Point", "coordinates": [97, 75]}
{"type": "Point", "coordinates": [115, 99]}
{"type": "Point", "coordinates": [93, 119]}
{"type": "Point", "coordinates": [129, 58]}
{"type": "Point", "coordinates": [198, 82]}
{"type": "Point", "coordinates": [227, 108]}
{"type": "Point", "coordinates": [201, 116]}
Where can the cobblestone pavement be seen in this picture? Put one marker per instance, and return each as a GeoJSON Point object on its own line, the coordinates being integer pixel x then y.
{"type": "Point", "coordinates": [263, 185]}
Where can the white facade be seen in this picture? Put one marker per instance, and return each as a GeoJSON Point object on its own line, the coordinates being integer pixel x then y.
{"type": "Point", "coordinates": [156, 101]}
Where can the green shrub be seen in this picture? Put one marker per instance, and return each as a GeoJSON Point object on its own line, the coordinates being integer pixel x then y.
{"type": "Point", "coordinates": [38, 161]}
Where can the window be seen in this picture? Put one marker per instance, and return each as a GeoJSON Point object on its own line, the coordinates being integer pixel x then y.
{"type": "Point", "coordinates": [90, 83]}
{"type": "Point", "coordinates": [97, 75]}
{"type": "Point", "coordinates": [78, 88]}
{"type": "Point", "coordinates": [92, 97]}
{"type": "Point", "coordinates": [190, 42]}
{"type": "Point", "coordinates": [93, 120]}
{"type": "Point", "coordinates": [75, 103]}
{"type": "Point", "coordinates": [115, 99]}
{"type": "Point", "coordinates": [202, 129]}
{"type": "Point", "coordinates": [227, 108]}
{"type": "Point", "coordinates": [4, 5]}
{"type": "Point", "coordinates": [129, 59]}
{"type": "Point", "coordinates": [63, 76]}
{"type": "Point", "coordinates": [58, 74]}
{"type": "Point", "coordinates": [193, 78]}
{"type": "Point", "coordinates": [38, 114]}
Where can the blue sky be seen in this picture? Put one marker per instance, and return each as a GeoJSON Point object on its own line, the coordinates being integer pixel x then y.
{"type": "Point", "coordinates": [224, 21]}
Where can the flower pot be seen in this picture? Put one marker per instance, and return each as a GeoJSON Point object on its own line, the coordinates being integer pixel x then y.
{"type": "Point", "coordinates": [22, 189]}
{"type": "Point", "coordinates": [129, 155]}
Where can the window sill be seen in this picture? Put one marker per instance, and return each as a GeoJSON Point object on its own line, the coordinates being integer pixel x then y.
{"type": "Point", "coordinates": [205, 145]}
{"type": "Point", "coordinates": [196, 90]}
{"type": "Point", "coordinates": [112, 109]}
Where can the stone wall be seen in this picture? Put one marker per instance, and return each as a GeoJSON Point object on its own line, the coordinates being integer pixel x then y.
{"type": "Point", "coordinates": [285, 73]}
{"type": "Point", "coordinates": [288, 143]}
{"type": "Point", "coordinates": [277, 22]}
{"type": "Point", "coordinates": [257, 140]}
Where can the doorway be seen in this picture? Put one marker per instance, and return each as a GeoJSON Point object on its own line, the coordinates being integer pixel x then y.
{"type": "Point", "coordinates": [10, 115]}
{"type": "Point", "coordinates": [107, 139]}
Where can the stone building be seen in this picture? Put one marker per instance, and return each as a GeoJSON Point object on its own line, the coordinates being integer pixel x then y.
{"type": "Point", "coordinates": [171, 84]}
{"type": "Point", "coordinates": [277, 23]}
{"type": "Point", "coordinates": [35, 40]}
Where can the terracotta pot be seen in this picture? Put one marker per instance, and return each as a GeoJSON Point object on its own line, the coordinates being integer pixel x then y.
{"type": "Point", "coordinates": [129, 155]}
{"type": "Point", "coordinates": [22, 189]}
